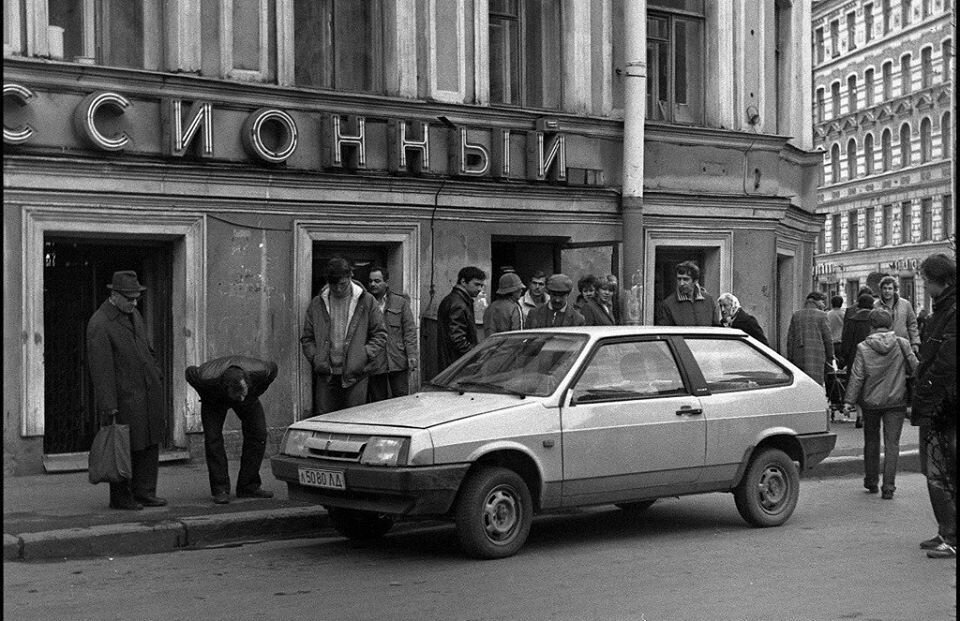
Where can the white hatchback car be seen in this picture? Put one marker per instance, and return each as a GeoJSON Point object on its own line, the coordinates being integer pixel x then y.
{"type": "Point", "coordinates": [536, 420]}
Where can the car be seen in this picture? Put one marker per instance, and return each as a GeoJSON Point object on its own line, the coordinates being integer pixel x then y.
{"type": "Point", "coordinates": [537, 420]}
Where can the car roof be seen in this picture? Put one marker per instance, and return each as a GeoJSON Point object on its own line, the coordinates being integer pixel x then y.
{"type": "Point", "coordinates": [605, 331]}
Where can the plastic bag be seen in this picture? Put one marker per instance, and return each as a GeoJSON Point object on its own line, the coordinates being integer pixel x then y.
{"type": "Point", "coordinates": [110, 455]}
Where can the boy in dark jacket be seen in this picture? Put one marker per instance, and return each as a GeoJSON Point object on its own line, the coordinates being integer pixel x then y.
{"type": "Point", "coordinates": [233, 382]}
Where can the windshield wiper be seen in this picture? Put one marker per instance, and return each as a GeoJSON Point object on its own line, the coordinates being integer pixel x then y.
{"type": "Point", "coordinates": [496, 387]}
{"type": "Point", "coordinates": [444, 387]}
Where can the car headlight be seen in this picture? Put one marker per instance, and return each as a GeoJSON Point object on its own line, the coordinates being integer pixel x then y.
{"type": "Point", "coordinates": [383, 451]}
{"type": "Point", "coordinates": [295, 441]}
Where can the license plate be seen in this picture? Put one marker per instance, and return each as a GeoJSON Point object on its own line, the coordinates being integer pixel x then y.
{"type": "Point", "coordinates": [332, 479]}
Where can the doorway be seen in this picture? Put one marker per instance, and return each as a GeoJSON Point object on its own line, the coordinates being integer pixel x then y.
{"type": "Point", "coordinates": [75, 274]}
{"type": "Point", "coordinates": [361, 257]}
{"type": "Point", "coordinates": [665, 276]}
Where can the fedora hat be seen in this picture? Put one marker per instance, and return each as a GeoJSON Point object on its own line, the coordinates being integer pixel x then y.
{"type": "Point", "coordinates": [509, 283]}
{"type": "Point", "coordinates": [126, 282]}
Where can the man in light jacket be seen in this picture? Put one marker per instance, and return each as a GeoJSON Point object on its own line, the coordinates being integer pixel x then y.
{"type": "Point", "coordinates": [904, 318]}
{"type": "Point", "coordinates": [343, 334]}
{"type": "Point", "coordinates": [878, 383]}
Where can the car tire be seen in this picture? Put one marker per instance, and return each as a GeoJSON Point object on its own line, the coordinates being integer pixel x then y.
{"type": "Point", "coordinates": [635, 508]}
{"type": "Point", "coordinates": [493, 513]}
{"type": "Point", "coordinates": [768, 493]}
{"type": "Point", "coordinates": [359, 525]}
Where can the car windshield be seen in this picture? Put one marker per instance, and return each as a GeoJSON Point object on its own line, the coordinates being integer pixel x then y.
{"type": "Point", "coordinates": [518, 363]}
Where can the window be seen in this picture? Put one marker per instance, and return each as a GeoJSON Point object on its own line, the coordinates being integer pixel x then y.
{"type": "Point", "coordinates": [926, 219]}
{"type": "Point", "coordinates": [852, 94]}
{"type": "Point", "coordinates": [835, 163]}
{"type": "Point", "coordinates": [887, 233]}
{"type": "Point", "coordinates": [946, 53]}
{"type": "Point", "coordinates": [852, 159]}
{"type": "Point", "coordinates": [525, 53]}
{"type": "Point", "coordinates": [926, 67]}
{"type": "Point", "coordinates": [852, 230]}
{"type": "Point", "coordinates": [835, 38]}
{"type": "Point", "coordinates": [868, 154]}
{"type": "Point", "coordinates": [925, 140]}
{"type": "Point", "coordinates": [924, 9]}
{"type": "Point", "coordinates": [835, 98]}
{"type": "Point", "coordinates": [820, 104]}
{"type": "Point", "coordinates": [945, 135]}
{"type": "Point", "coordinates": [238, 39]}
{"type": "Point", "coordinates": [338, 44]}
{"type": "Point", "coordinates": [851, 31]}
{"type": "Point", "coordinates": [835, 233]}
{"type": "Point", "coordinates": [904, 145]}
{"type": "Point", "coordinates": [733, 364]}
{"type": "Point", "coordinates": [905, 7]}
{"type": "Point", "coordinates": [886, 151]}
{"type": "Point", "coordinates": [887, 15]}
{"type": "Point", "coordinates": [867, 23]}
{"type": "Point", "coordinates": [869, 227]}
{"type": "Point", "coordinates": [905, 78]}
{"type": "Point", "coordinates": [947, 225]}
{"type": "Point", "coordinates": [818, 41]}
{"type": "Point", "coordinates": [887, 77]}
{"type": "Point", "coordinates": [906, 222]}
{"type": "Point", "coordinates": [868, 88]}
{"type": "Point", "coordinates": [635, 370]}
{"type": "Point", "coordinates": [125, 33]}
{"type": "Point", "coordinates": [675, 64]}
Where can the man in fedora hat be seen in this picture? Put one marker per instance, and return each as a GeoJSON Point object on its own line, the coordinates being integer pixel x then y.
{"type": "Point", "coordinates": [505, 312]}
{"type": "Point", "coordinates": [127, 387]}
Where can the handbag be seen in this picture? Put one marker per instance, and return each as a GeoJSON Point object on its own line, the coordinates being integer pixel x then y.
{"type": "Point", "coordinates": [110, 455]}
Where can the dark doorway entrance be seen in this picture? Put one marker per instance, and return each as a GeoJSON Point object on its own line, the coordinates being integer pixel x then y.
{"type": "Point", "coordinates": [75, 276]}
{"type": "Point", "coordinates": [525, 255]}
{"type": "Point", "coordinates": [665, 277]}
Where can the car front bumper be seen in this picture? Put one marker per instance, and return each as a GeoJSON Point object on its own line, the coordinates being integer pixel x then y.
{"type": "Point", "coordinates": [427, 490]}
{"type": "Point", "coordinates": [816, 447]}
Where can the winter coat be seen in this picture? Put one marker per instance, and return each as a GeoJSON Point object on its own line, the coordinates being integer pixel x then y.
{"type": "Point", "coordinates": [365, 338]}
{"type": "Point", "coordinates": [904, 318]}
{"type": "Point", "coordinates": [542, 317]}
{"type": "Point", "coordinates": [456, 326]}
{"type": "Point", "coordinates": [700, 311]}
{"type": "Point", "coordinates": [878, 374]}
{"type": "Point", "coordinates": [527, 303]}
{"type": "Point", "coordinates": [935, 391]}
{"type": "Point", "coordinates": [125, 374]}
{"type": "Point", "coordinates": [401, 335]}
{"type": "Point", "coordinates": [749, 324]}
{"type": "Point", "coordinates": [809, 344]}
{"type": "Point", "coordinates": [856, 327]}
{"type": "Point", "coordinates": [206, 379]}
{"type": "Point", "coordinates": [502, 315]}
{"type": "Point", "coordinates": [595, 314]}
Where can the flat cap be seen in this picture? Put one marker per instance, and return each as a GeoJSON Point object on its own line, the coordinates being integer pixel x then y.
{"type": "Point", "coordinates": [559, 283]}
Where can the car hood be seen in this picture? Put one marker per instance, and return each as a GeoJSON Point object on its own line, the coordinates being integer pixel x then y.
{"type": "Point", "coordinates": [421, 410]}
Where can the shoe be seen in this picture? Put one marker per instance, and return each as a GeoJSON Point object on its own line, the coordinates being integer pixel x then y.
{"type": "Point", "coordinates": [887, 494]}
{"type": "Point", "coordinates": [255, 493]}
{"type": "Point", "coordinates": [859, 423]}
{"type": "Point", "coordinates": [221, 498]}
{"type": "Point", "coordinates": [944, 550]}
{"type": "Point", "coordinates": [151, 501]}
{"type": "Point", "coordinates": [871, 489]}
{"type": "Point", "coordinates": [930, 544]}
{"type": "Point", "coordinates": [127, 505]}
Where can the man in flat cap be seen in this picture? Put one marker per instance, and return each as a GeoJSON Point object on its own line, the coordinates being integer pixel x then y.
{"type": "Point", "coordinates": [557, 312]}
{"type": "Point", "coordinates": [127, 387]}
{"type": "Point", "coordinates": [505, 312]}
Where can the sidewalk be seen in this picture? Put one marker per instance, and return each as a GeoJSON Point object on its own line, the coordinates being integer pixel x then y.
{"type": "Point", "coordinates": [60, 516]}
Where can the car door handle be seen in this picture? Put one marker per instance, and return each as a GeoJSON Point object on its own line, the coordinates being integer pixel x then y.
{"type": "Point", "coordinates": [689, 411]}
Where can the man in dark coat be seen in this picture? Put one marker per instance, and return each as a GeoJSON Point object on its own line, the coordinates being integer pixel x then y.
{"type": "Point", "coordinates": [557, 312]}
{"type": "Point", "coordinates": [233, 382]}
{"type": "Point", "coordinates": [505, 313]}
{"type": "Point", "coordinates": [391, 370]}
{"type": "Point", "coordinates": [856, 327]}
{"type": "Point", "coordinates": [934, 407]}
{"type": "Point", "coordinates": [127, 387]}
{"type": "Point", "coordinates": [456, 327]}
{"type": "Point", "coordinates": [689, 304]}
{"type": "Point", "coordinates": [343, 334]}
{"type": "Point", "coordinates": [809, 342]}
{"type": "Point", "coordinates": [733, 316]}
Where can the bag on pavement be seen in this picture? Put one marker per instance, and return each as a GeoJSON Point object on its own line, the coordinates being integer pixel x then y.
{"type": "Point", "coordinates": [110, 455]}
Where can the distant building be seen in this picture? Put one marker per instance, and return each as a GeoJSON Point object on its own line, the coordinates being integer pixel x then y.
{"type": "Point", "coordinates": [883, 116]}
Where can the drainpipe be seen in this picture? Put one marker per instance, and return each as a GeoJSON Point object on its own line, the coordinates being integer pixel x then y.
{"type": "Point", "coordinates": [634, 113]}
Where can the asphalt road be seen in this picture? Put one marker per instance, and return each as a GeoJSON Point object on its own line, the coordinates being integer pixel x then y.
{"type": "Point", "coordinates": [844, 554]}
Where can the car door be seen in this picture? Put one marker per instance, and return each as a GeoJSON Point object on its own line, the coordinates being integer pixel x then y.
{"type": "Point", "coordinates": [630, 423]}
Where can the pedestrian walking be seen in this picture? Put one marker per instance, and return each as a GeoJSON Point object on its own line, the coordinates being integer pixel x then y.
{"type": "Point", "coordinates": [904, 318]}
{"type": "Point", "coordinates": [934, 406]}
{"type": "Point", "coordinates": [390, 374]}
{"type": "Point", "coordinates": [878, 385]}
{"type": "Point", "coordinates": [732, 315]}
{"type": "Point", "coordinates": [689, 304]}
{"type": "Point", "coordinates": [835, 318]}
{"type": "Point", "coordinates": [127, 387]}
{"type": "Point", "coordinates": [809, 344]}
{"type": "Point", "coordinates": [557, 312]}
{"type": "Point", "coordinates": [233, 382]}
{"type": "Point", "coordinates": [856, 327]}
{"type": "Point", "coordinates": [456, 324]}
{"type": "Point", "coordinates": [343, 333]}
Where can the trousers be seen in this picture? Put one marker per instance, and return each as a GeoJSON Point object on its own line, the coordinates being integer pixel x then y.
{"type": "Point", "coordinates": [329, 395]}
{"type": "Point", "coordinates": [387, 385]}
{"type": "Point", "coordinates": [213, 413]}
{"type": "Point", "coordinates": [143, 482]}
{"type": "Point", "coordinates": [938, 462]}
{"type": "Point", "coordinates": [892, 423]}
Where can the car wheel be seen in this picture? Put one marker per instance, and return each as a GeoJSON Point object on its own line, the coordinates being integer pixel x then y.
{"type": "Point", "coordinates": [636, 507]}
{"type": "Point", "coordinates": [493, 513]}
{"type": "Point", "coordinates": [360, 525]}
{"type": "Point", "coordinates": [768, 493]}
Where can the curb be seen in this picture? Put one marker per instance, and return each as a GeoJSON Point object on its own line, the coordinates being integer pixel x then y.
{"type": "Point", "coordinates": [130, 539]}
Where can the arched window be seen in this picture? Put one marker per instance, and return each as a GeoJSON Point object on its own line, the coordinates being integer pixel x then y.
{"type": "Point", "coordinates": [835, 163]}
{"type": "Point", "coordinates": [906, 78]}
{"type": "Point", "coordinates": [886, 150]}
{"type": "Point", "coordinates": [852, 159]}
{"type": "Point", "coordinates": [904, 145]}
{"type": "Point", "coordinates": [925, 145]}
{"type": "Point", "coordinates": [945, 135]}
{"type": "Point", "coordinates": [946, 51]}
{"type": "Point", "coordinates": [868, 154]}
{"type": "Point", "coordinates": [852, 93]}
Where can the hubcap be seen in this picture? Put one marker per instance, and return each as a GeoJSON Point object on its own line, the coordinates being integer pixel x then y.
{"type": "Point", "coordinates": [773, 488]}
{"type": "Point", "coordinates": [501, 514]}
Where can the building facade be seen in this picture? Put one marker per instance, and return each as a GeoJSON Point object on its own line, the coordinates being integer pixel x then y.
{"type": "Point", "coordinates": [225, 150]}
{"type": "Point", "coordinates": [883, 101]}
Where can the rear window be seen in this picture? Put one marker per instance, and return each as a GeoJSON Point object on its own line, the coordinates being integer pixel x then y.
{"type": "Point", "coordinates": [733, 364]}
